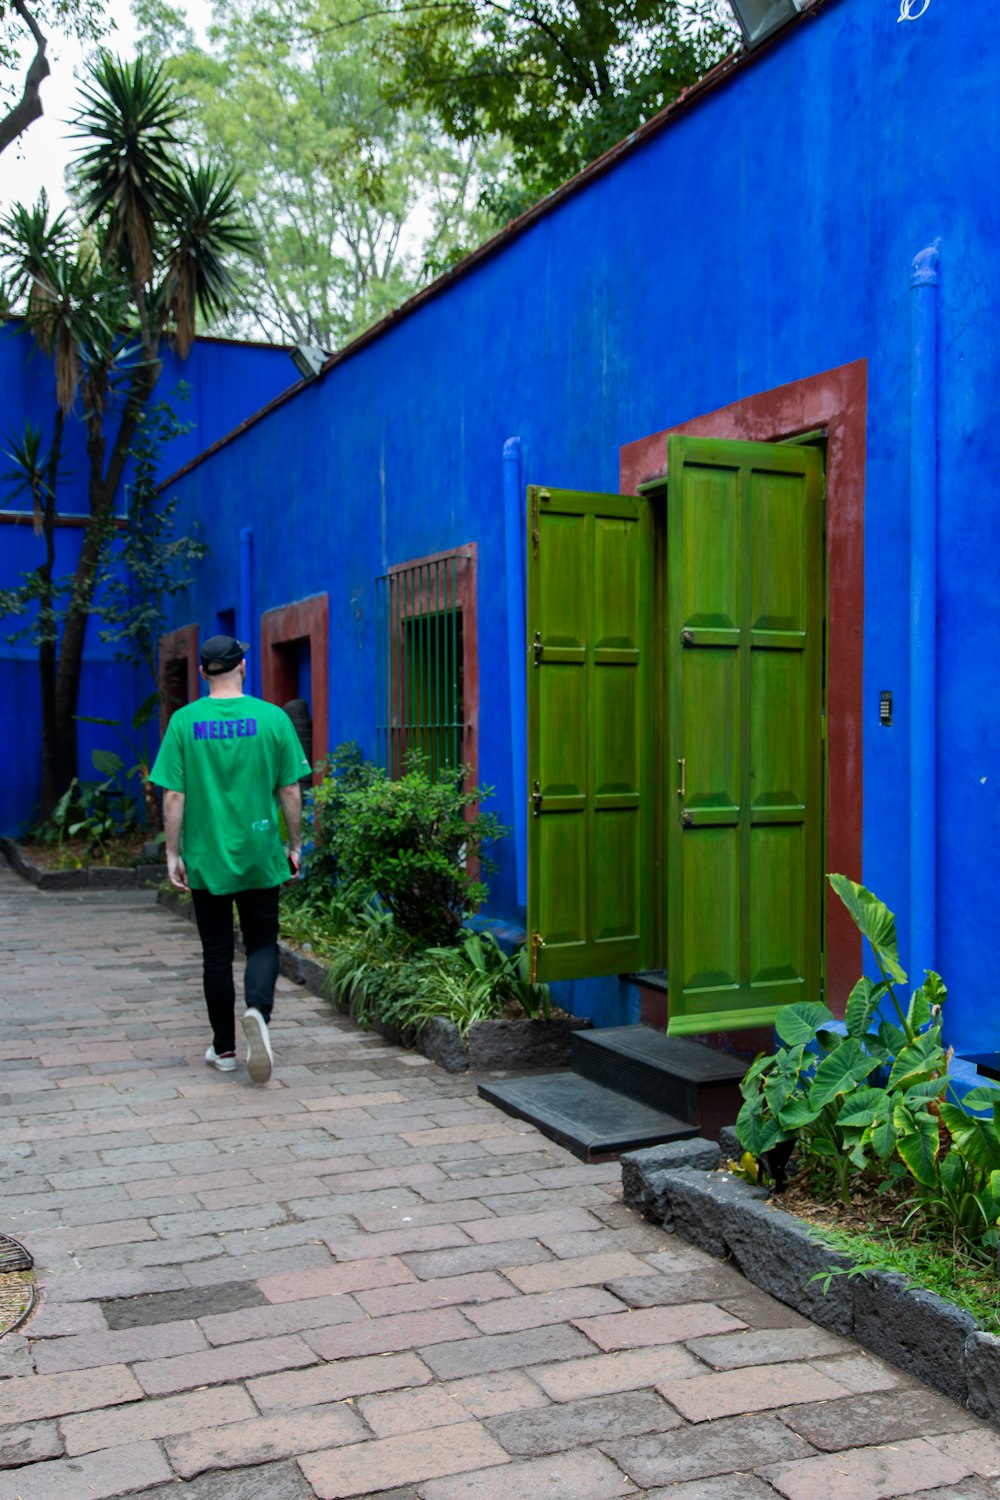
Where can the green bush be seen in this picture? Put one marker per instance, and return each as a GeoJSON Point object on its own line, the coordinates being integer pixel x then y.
{"type": "Point", "coordinates": [344, 771]}
{"type": "Point", "coordinates": [416, 842]}
{"type": "Point", "coordinates": [877, 1101]}
{"type": "Point", "coordinates": [379, 973]}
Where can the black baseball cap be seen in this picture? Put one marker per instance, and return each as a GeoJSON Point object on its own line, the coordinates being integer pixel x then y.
{"type": "Point", "coordinates": [221, 653]}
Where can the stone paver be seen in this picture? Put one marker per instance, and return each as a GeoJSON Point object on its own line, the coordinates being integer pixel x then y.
{"type": "Point", "coordinates": [361, 1280]}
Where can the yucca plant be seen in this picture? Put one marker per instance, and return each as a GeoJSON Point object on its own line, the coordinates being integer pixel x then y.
{"type": "Point", "coordinates": [153, 247]}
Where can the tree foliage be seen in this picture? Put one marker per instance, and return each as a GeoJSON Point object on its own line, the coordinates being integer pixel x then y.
{"type": "Point", "coordinates": [355, 199]}
{"type": "Point", "coordinates": [559, 80]}
{"type": "Point", "coordinates": [154, 245]}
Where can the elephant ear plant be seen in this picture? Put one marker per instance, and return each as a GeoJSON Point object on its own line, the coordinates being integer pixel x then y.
{"type": "Point", "coordinates": [870, 1100]}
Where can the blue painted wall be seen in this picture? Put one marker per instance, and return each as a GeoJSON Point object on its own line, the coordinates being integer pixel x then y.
{"type": "Point", "coordinates": [227, 381]}
{"type": "Point", "coordinates": [764, 236]}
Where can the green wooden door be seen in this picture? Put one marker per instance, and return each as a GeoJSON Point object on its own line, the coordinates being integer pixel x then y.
{"type": "Point", "coordinates": [590, 733]}
{"type": "Point", "coordinates": [744, 641]}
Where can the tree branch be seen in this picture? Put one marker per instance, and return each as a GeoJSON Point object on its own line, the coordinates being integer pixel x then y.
{"type": "Point", "coordinates": [29, 106]}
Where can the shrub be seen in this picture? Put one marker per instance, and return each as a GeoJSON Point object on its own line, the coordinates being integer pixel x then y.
{"type": "Point", "coordinates": [874, 1101]}
{"type": "Point", "coordinates": [344, 771]}
{"type": "Point", "coordinates": [420, 844]}
{"type": "Point", "coordinates": [378, 973]}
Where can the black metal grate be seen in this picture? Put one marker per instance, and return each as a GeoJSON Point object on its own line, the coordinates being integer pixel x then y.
{"type": "Point", "coordinates": [421, 664]}
{"type": "Point", "coordinates": [13, 1256]}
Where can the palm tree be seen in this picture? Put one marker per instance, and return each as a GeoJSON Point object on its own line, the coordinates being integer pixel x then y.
{"type": "Point", "coordinates": [157, 239]}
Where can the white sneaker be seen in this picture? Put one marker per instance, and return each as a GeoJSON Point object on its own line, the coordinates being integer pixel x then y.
{"type": "Point", "coordinates": [224, 1061]}
{"type": "Point", "coordinates": [259, 1055]}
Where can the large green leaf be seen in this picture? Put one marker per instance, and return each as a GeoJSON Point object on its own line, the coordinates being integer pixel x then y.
{"type": "Point", "coordinates": [874, 921]}
{"type": "Point", "coordinates": [983, 1097]}
{"type": "Point", "coordinates": [862, 1004]}
{"type": "Point", "coordinates": [919, 1012]}
{"type": "Point", "coordinates": [917, 1142]}
{"type": "Point", "coordinates": [862, 1107]}
{"type": "Point", "coordinates": [892, 1037]}
{"type": "Point", "coordinates": [756, 1133]}
{"type": "Point", "coordinates": [798, 1113]}
{"type": "Point", "coordinates": [934, 987]}
{"type": "Point", "coordinates": [973, 1137]}
{"type": "Point", "coordinates": [839, 1073]}
{"type": "Point", "coordinates": [107, 762]}
{"type": "Point", "coordinates": [883, 1132]}
{"type": "Point", "coordinates": [917, 1061]}
{"type": "Point", "coordinates": [797, 1025]}
{"type": "Point", "coordinates": [760, 1067]}
{"type": "Point", "coordinates": [778, 1090]}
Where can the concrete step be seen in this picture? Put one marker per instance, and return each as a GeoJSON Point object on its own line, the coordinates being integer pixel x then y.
{"type": "Point", "coordinates": [683, 1078]}
{"type": "Point", "coordinates": [588, 1119]}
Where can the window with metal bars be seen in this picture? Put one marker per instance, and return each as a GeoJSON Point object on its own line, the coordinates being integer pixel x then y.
{"type": "Point", "coordinates": [428, 683]}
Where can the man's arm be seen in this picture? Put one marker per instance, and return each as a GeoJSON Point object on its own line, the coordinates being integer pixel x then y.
{"type": "Point", "coordinates": [173, 822]}
{"type": "Point", "coordinates": [290, 798]}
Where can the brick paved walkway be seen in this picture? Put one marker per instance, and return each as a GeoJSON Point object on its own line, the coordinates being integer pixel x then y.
{"type": "Point", "coordinates": [361, 1280]}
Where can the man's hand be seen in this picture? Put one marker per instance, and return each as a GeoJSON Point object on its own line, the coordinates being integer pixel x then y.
{"type": "Point", "coordinates": [173, 822]}
{"type": "Point", "coordinates": [295, 862]}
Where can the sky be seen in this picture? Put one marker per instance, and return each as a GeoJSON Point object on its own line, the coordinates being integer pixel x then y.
{"type": "Point", "coordinates": [41, 155]}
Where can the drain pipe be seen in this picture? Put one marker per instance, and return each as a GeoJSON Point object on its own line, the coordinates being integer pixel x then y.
{"type": "Point", "coordinates": [246, 607]}
{"type": "Point", "coordinates": [513, 526]}
{"type": "Point", "coordinates": [923, 613]}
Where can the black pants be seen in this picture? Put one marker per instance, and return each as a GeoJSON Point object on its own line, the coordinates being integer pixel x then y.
{"type": "Point", "coordinates": [259, 925]}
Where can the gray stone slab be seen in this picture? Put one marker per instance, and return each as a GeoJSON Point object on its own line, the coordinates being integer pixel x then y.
{"type": "Point", "coordinates": [776, 1251]}
{"type": "Point", "coordinates": [765, 1346]}
{"type": "Point", "coordinates": [982, 1369]}
{"type": "Point", "coordinates": [554, 1429]}
{"type": "Point", "coordinates": [281, 1481]}
{"type": "Point", "coordinates": [583, 1116]}
{"type": "Point", "coordinates": [29, 1443]}
{"type": "Point", "coordinates": [729, 1487]}
{"type": "Point", "coordinates": [441, 1041]}
{"type": "Point", "coordinates": [731, 1445]}
{"type": "Point", "coordinates": [539, 1044]}
{"type": "Point", "coordinates": [505, 1351]}
{"type": "Point", "coordinates": [916, 1330]}
{"type": "Point", "coordinates": [641, 1184]}
{"type": "Point", "coordinates": [110, 877]}
{"type": "Point", "coordinates": [877, 1417]}
{"type": "Point", "coordinates": [169, 1307]}
{"type": "Point", "coordinates": [708, 1284]}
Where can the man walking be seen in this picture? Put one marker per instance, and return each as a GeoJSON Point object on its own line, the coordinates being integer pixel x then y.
{"type": "Point", "coordinates": [225, 763]}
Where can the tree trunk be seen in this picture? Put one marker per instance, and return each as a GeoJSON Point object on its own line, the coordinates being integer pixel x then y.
{"type": "Point", "coordinates": [47, 645]}
{"type": "Point", "coordinates": [29, 106]}
{"type": "Point", "coordinates": [103, 488]}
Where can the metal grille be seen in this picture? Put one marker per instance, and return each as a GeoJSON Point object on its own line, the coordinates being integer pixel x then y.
{"type": "Point", "coordinates": [13, 1256]}
{"type": "Point", "coordinates": [421, 664]}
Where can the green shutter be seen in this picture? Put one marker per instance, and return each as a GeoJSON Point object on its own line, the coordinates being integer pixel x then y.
{"type": "Point", "coordinates": [590, 727]}
{"type": "Point", "coordinates": [745, 662]}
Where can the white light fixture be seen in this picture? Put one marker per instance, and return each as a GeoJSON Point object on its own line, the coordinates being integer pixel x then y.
{"type": "Point", "coordinates": [308, 360]}
{"type": "Point", "coordinates": [759, 18]}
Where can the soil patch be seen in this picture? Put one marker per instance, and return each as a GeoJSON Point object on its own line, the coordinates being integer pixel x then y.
{"type": "Point", "coordinates": [80, 854]}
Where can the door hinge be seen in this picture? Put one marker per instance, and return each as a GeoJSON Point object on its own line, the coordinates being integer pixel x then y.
{"type": "Point", "coordinates": [536, 800]}
{"type": "Point", "coordinates": [537, 942]}
{"type": "Point", "coordinates": [537, 648]}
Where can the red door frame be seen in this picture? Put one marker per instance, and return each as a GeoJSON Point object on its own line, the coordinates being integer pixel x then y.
{"type": "Point", "coordinates": [836, 401]}
{"type": "Point", "coordinates": [178, 645]}
{"type": "Point", "coordinates": [305, 620]}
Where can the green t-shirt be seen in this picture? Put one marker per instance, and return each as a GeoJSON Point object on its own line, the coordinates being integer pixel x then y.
{"type": "Point", "coordinates": [229, 756]}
